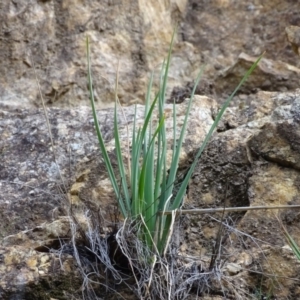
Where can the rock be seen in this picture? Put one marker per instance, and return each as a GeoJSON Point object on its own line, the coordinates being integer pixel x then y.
{"type": "Point", "coordinates": [51, 36]}
{"type": "Point", "coordinates": [293, 36]}
{"type": "Point", "coordinates": [29, 263]}
{"type": "Point", "coordinates": [270, 75]}
{"type": "Point", "coordinates": [233, 268]}
{"type": "Point", "coordinates": [37, 177]}
{"type": "Point", "coordinates": [24, 271]}
{"type": "Point", "coordinates": [253, 161]}
{"type": "Point", "coordinates": [254, 164]}
{"type": "Point", "coordinates": [41, 237]}
{"type": "Point", "coordinates": [225, 29]}
{"type": "Point", "coordinates": [35, 198]}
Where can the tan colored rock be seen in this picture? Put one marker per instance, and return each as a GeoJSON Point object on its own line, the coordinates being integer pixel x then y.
{"type": "Point", "coordinates": [22, 269]}
{"type": "Point", "coordinates": [51, 36]}
{"type": "Point", "coordinates": [233, 268]}
{"type": "Point", "coordinates": [270, 75]}
{"type": "Point", "coordinates": [41, 236]}
{"type": "Point", "coordinates": [137, 34]}
{"type": "Point", "coordinates": [254, 164]}
{"type": "Point", "coordinates": [256, 151]}
{"type": "Point", "coordinates": [293, 36]}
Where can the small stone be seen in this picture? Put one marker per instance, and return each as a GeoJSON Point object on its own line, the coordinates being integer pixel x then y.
{"type": "Point", "coordinates": [31, 263]}
{"type": "Point", "coordinates": [44, 259]}
{"type": "Point", "coordinates": [233, 268]}
{"type": "Point", "coordinates": [245, 259]}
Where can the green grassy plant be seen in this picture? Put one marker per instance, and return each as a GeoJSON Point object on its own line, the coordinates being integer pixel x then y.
{"type": "Point", "coordinates": [294, 246]}
{"type": "Point", "coordinates": [146, 189]}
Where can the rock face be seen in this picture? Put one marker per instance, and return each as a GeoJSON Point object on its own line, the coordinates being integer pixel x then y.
{"type": "Point", "coordinates": [50, 36]}
{"type": "Point", "coordinates": [270, 75]}
{"type": "Point", "coordinates": [29, 271]}
{"type": "Point", "coordinates": [293, 36]}
{"type": "Point", "coordinates": [36, 190]}
{"type": "Point", "coordinates": [252, 160]}
{"type": "Point", "coordinates": [34, 184]}
{"type": "Point", "coordinates": [254, 164]}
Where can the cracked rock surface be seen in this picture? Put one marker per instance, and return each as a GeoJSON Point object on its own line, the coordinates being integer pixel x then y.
{"type": "Point", "coordinates": [252, 162]}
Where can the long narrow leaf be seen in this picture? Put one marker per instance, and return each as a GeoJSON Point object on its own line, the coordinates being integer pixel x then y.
{"type": "Point", "coordinates": [126, 200]}
{"type": "Point", "coordinates": [295, 248]}
{"type": "Point", "coordinates": [145, 165]}
{"type": "Point", "coordinates": [162, 144]}
{"type": "Point", "coordinates": [145, 193]}
{"type": "Point", "coordinates": [184, 184]}
{"type": "Point", "coordinates": [178, 146]}
{"type": "Point", "coordinates": [99, 135]}
{"type": "Point", "coordinates": [136, 161]}
{"type": "Point", "coordinates": [135, 205]}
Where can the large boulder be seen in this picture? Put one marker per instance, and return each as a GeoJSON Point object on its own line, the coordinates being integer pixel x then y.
{"type": "Point", "coordinates": [252, 160]}
{"type": "Point", "coordinates": [39, 183]}
{"type": "Point", "coordinates": [50, 37]}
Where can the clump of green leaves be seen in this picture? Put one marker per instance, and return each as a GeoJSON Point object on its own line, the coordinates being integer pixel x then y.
{"type": "Point", "coordinates": [294, 246]}
{"type": "Point", "coordinates": [146, 190]}
{"type": "Point", "coordinates": [292, 243]}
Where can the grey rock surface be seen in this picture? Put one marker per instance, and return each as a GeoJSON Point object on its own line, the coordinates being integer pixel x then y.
{"type": "Point", "coordinates": [252, 160]}
{"type": "Point", "coordinates": [255, 162]}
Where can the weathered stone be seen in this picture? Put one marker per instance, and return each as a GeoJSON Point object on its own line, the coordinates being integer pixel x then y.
{"type": "Point", "coordinates": [51, 35]}
{"type": "Point", "coordinates": [253, 159]}
{"type": "Point", "coordinates": [233, 268]}
{"type": "Point", "coordinates": [34, 193]}
{"type": "Point", "coordinates": [254, 164]}
{"type": "Point", "coordinates": [42, 236]}
{"type": "Point", "coordinates": [224, 29]}
{"type": "Point", "coordinates": [293, 36]}
{"type": "Point", "coordinates": [28, 274]}
{"type": "Point", "coordinates": [269, 75]}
